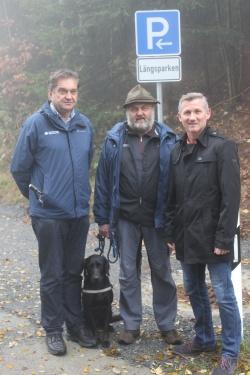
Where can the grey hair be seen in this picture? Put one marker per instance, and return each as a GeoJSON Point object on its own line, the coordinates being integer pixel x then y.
{"type": "Point", "coordinates": [191, 96]}
{"type": "Point", "coordinates": [61, 74]}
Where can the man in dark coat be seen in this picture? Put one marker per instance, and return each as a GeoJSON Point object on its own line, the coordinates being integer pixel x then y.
{"type": "Point", "coordinates": [202, 217]}
{"type": "Point", "coordinates": [52, 157]}
{"type": "Point", "coordinates": [130, 203]}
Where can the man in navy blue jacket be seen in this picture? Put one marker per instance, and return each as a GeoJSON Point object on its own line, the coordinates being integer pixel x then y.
{"type": "Point", "coordinates": [51, 165]}
{"type": "Point", "coordinates": [130, 202]}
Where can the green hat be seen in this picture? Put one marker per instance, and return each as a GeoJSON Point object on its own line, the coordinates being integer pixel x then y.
{"type": "Point", "coordinates": [139, 95]}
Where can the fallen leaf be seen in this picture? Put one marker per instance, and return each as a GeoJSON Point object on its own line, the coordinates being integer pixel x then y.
{"type": "Point", "coordinates": [113, 351]}
{"type": "Point", "coordinates": [157, 371]}
{"type": "Point", "coordinates": [86, 370]}
{"type": "Point", "coordinates": [9, 365]}
{"type": "Point", "coordinates": [40, 333]}
{"type": "Point", "coordinates": [12, 344]}
{"type": "Point", "coordinates": [159, 357]}
{"type": "Point", "coordinates": [2, 333]}
{"type": "Point", "coordinates": [116, 370]}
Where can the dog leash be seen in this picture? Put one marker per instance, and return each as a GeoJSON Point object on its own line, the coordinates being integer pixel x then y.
{"type": "Point", "coordinates": [113, 246]}
{"type": "Point", "coordinates": [101, 244]}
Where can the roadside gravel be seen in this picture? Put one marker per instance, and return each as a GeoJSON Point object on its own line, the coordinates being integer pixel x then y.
{"type": "Point", "coordinates": [22, 348]}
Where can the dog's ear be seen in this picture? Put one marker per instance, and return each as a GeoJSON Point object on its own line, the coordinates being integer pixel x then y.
{"type": "Point", "coordinates": [106, 266]}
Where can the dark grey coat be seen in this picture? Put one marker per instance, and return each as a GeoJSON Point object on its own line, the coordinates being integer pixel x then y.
{"type": "Point", "coordinates": [204, 198]}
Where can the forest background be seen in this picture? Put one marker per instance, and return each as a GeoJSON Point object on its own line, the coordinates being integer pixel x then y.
{"type": "Point", "coordinates": [97, 39]}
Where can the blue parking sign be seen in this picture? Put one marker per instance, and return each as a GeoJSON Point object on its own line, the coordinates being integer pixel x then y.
{"type": "Point", "coordinates": [157, 32]}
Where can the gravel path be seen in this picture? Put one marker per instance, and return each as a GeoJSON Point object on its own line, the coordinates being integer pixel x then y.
{"type": "Point", "coordinates": [20, 308]}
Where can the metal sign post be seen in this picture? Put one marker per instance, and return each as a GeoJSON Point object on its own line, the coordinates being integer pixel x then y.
{"type": "Point", "coordinates": [159, 105]}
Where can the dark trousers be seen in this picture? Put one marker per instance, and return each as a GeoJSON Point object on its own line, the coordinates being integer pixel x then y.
{"type": "Point", "coordinates": [61, 253]}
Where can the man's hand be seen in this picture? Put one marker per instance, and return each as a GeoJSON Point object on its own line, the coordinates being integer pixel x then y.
{"type": "Point", "coordinates": [171, 246]}
{"type": "Point", "coordinates": [218, 251]}
{"type": "Point", "coordinates": [104, 230]}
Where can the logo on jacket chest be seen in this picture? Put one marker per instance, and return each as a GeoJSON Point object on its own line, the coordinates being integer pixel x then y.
{"type": "Point", "coordinates": [52, 132]}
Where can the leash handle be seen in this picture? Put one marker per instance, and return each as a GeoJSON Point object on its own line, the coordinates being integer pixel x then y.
{"type": "Point", "coordinates": [101, 244]}
{"type": "Point", "coordinates": [115, 247]}
{"type": "Point", "coordinates": [37, 192]}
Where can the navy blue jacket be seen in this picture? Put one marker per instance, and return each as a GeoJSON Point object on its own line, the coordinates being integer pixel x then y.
{"type": "Point", "coordinates": [107, 197]}
{"type": "Point", "coordinates": [56, 161]}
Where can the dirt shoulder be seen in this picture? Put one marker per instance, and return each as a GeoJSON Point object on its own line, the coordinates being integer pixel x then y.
{"type": "Point", "coordinates": [22, 347]}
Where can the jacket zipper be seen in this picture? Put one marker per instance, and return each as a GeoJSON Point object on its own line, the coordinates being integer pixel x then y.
{"type": "Point", "coordinates": [73, 174]}
{"type": "Point", "coordinates": [140, 198]}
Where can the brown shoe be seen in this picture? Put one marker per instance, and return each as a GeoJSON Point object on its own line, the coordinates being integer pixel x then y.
{"type": "Point", "coordinates": [128, 337]}
{"type": "Point", "coordinates": [171, 337]}
{"type": "Point", "coordinates": [192, 348]}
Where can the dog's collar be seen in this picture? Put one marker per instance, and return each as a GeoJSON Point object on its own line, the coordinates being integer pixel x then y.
{"type": "Point", "coordinates": [94, 291]}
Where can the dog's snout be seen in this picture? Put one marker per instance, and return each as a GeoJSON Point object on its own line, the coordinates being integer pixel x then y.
{"type": "Point", "coordinates": [96, 275]}
{"type": "Point", "coordinates": [96, 271]}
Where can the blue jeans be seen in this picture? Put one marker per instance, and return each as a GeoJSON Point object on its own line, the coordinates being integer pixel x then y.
{"type": "Point", "coordinates": [196, 289]}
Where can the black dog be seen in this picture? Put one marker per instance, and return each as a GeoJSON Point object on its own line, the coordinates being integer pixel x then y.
{"type": "Point", "coordinates": [97, 297]}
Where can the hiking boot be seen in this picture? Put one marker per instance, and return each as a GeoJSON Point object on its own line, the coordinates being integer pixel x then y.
{"type": "Point", "coordinates": [55, 344]}
{"type": "Point", "coordinates": [171, 337]}
{"type": "Point", "coordinates": [128, 337]}
{"type": "Point", "coordinates": [83, 336]}
{"type": "Point", "coordinates": [227, 366]}
{"type": "Point", "coordinates": [192, 348]}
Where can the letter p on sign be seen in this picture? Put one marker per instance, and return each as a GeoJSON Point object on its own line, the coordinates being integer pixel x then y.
{"type": "Point", "coordinates": [156, 34]}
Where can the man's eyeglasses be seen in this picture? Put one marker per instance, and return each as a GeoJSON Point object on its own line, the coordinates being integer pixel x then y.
{"type": "Point", "coordinates": [63, 91]}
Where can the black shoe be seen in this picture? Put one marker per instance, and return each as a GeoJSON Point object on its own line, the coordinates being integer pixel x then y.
{"type": "Point", "coordinates": [55, 344]}
{"type": "Point", "coordinates": [227, 366]}
{"type": "Point", "coordinates": [83, 336]}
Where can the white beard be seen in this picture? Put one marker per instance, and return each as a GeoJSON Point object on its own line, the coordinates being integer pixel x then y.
{"type": "Point", "coordinates": [142, 126]}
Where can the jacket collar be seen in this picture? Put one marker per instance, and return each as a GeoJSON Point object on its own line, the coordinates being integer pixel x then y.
{"type": "Point", "coordinates": [202, 139]}
{"type": "Point", "coordinates": [56, 120]}
{"type": "Point", "coordinates": [54, 110]}
{"type": "Point", "coordinates": [119, 129]}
